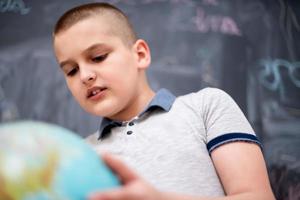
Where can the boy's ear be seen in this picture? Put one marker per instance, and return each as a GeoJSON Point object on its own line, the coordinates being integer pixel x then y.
{"type": "Point", "coordinates": [142, 52]}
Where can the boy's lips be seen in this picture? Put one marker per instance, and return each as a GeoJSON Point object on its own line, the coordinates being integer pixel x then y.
{"type": "Point", "coordinates": [94, 91]}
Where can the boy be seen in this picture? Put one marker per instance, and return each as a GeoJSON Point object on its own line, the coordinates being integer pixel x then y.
{"type": "Point", "coordinates": [199, 144]}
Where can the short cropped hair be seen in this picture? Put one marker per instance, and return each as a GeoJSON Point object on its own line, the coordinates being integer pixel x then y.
{"type": "Point", "coordinates": [120, 24]}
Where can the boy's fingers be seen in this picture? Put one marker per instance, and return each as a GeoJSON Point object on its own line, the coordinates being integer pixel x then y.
{"type": "Point", "coordinates": [124, 173]}
{"type": "Point", "coordinates": [109, 195]}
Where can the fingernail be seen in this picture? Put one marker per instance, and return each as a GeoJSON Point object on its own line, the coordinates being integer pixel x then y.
{"type": "Point", "coordinates": [97, 196]}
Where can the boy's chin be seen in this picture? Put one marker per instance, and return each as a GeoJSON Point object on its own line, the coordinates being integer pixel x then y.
{"type": "Point", "coordinates": [107, 113]}
{"type": "Point", "coordinates": [108, 109]}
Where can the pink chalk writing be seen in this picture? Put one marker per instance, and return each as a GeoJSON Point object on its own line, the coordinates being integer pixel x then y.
{"type": "Point", "coordinates": [136, 2]}
{"type": "Point", "coordinates": [210, 2]}
{"type": "Point", "coordinates": [215, 23]}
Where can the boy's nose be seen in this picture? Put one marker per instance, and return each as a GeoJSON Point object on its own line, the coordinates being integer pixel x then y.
{"type": "Point", "coordinates": [88, 77]}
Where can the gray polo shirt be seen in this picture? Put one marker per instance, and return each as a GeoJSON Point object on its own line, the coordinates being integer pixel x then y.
{"type": "Point", "coordinates": [170, 142]}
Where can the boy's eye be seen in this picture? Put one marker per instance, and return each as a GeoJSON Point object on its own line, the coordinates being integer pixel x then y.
{"type": "Point", "coordinates": [72, 72]}
{"type": "Point", "coordinates": [99, 58]}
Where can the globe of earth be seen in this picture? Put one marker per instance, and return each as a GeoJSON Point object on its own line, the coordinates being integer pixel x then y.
{"type": "Point", "coordinates": [41, 161]}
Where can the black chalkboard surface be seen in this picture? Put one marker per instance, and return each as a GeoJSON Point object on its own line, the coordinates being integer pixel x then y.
{"type": "Point", "coordinates": [250, 49]}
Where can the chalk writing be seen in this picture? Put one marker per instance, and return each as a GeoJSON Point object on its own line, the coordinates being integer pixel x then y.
{"type": "Point", "coordinates": [8, 110]}
{"type": "Point", "coordinates": [13, 6]}
{"type": "Point", "coordinates": [271, 77]}
{"type": "Point", "coordinates": [186, 2]}
{"type": "Point", "coordinates": [170, 1]}
{"type": "Point", "coordinates": [210, 2]}
{"type": "Point", "coordinates": [135, 2]}
{"type": "Point", "coordinates": [202, 22]}
{"type": "Point", "coordinates": [215, 23]}
{"type": "Point", "coordinates": [288, 24]}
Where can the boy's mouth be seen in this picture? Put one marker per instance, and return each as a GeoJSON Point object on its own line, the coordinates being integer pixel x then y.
{"type": "Point", "coordinates": [94, 91]}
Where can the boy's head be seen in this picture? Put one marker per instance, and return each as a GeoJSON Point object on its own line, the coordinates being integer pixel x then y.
{"type": "Point", "coordinates": [119, 24]}
{"type": "Point", "coordinates": [103, 61]}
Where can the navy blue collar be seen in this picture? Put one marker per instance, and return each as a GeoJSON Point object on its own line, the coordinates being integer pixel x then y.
{"type": "Point", "coordinates": [163, 99]}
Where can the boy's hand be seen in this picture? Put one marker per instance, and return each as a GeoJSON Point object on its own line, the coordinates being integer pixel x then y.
{"type": "Point", "coordinates": [134, 187]}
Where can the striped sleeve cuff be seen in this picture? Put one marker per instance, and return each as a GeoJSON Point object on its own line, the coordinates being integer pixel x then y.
{"type": "Point", "coordinates": [231, 137]}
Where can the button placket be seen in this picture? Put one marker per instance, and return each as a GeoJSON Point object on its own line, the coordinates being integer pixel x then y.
{"type": "Point", "coordinates": [131, 123]}
{"type": "Point", "coordinates": [130, 126]}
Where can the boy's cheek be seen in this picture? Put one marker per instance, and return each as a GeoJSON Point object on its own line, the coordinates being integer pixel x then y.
{"type": "Point", "coordinates": [75, 90]}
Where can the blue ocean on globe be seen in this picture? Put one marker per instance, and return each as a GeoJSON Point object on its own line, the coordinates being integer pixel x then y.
{"type": "Point", "coordinates": [42, 161]}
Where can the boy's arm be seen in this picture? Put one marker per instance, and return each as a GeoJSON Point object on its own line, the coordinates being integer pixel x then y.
{"type": "Point", "coordinates": [246, 179]}
{"type": "Point", "coordinates": [242, 171]}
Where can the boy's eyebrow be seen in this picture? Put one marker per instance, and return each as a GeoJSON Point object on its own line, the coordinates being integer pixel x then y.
{"type": "Point", "coordinates": [63, 63]}
{"type": "Point", "coordinates": [95, 46]}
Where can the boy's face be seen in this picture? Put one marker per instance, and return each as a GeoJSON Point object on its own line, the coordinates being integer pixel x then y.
{"type": "Point", "coordinates": [101, 72]}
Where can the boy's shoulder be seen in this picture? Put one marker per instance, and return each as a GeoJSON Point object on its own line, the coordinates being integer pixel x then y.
{"type": "Point", "coordinates": [207, 92]}
{"type": "Point", "coordinates": [208, 95]}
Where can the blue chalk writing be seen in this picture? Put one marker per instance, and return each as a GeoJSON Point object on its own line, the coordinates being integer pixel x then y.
{"type": "Point", "coordinates": [271, 78]}
{"type": "Point", "coordinates": [13, 6]}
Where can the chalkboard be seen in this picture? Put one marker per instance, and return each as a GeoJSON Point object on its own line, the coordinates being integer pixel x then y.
{"type": "Point", "coordinates": [250, 49]}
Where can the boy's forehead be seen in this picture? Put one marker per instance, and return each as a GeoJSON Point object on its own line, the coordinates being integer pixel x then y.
{"type": "Point", "coordinates": [86, 29]}
{"type": "Point", "coordinates": [96, 23]}
{"type": "Point", "coordinates": [102, 25]}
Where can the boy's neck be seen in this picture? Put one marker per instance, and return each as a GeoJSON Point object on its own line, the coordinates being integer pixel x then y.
{"type": "Point", "coordinates": [132, 111]}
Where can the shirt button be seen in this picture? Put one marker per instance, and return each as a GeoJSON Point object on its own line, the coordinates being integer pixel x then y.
{"type": "Point", "coordinates": [130, 123]}
{"type": "Point", "coordinates": [129, 132]}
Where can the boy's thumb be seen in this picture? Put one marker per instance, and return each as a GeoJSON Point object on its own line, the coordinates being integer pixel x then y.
{"type": "Point", "coordinates": [124, 173]}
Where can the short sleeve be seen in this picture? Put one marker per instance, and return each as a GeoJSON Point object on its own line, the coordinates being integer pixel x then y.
{"type": "Point", "coordinates": [224, 121]}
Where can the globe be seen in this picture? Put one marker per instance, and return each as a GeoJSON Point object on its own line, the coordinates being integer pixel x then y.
{"type": "Point", "coordinates": [42, 161]}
